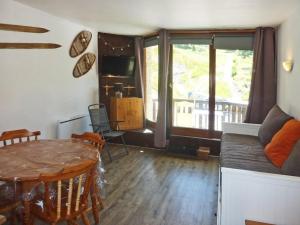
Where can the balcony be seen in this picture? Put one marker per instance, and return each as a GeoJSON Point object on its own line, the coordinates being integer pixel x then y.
{"type": "Point", "coordinates": [195, 113]}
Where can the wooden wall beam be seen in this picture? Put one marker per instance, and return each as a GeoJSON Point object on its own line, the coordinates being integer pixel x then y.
{"type": "Point", "coordinates": [20, 28]}
{"type": "Point", "coordinates": [28, 45]}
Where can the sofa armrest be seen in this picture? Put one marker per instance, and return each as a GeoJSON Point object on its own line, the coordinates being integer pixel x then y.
{"type": "Point", "coordinates": [241, 128]}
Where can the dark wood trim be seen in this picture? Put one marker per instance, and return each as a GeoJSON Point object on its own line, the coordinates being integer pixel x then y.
{"type": "Point", "coordinates": [187, 131]}
{"type": "Point", "coordinates": [111, 44]}
{"type": "Point", "coordinates": [145, 81]}
{"type": "Point", "coordinates": [21, 28]}
{"type": "Point", "coordinates": [170, 108]}
{"type": "Point", "coordinates": [214, 31]}
{"type": "Point", "coordinates": [186, 145]}
{"type": "Point", "coordinates": [29, 46]}
{"type": "Point", "coordinates": [212, 87]}
{"type": "Point", "coordinates": [205, 32]}
{"type": "Point", "coordinates": [150, 35]}
{"type": "Point", "coordinates": [191, 35]}
{"type": "Point", "coordinates": [192, 132]}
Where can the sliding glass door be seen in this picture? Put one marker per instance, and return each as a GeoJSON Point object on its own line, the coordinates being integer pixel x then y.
{"type": "Point", "coordinates": [190, 86]}
{"type": "Point", "coordinates": [233, 80]}
{"type": "Point", "coordinates": [209, 84]}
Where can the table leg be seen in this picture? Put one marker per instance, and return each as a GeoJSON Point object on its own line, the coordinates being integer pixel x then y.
{"type": "Point", "coordinates": [27, 219]}
{"type": "Point", "coordinates": [26, 192]}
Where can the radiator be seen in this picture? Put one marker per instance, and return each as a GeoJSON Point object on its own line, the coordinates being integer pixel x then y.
{"type": "Point", "coordinates": [77, 124]}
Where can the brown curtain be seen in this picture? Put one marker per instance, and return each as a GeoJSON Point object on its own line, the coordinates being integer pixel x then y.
{"type": "Point", "coordinates": [264, 80]}
{"type": "Point", "coordinates": [139, 49]}
{"type": "Point", "coordinates": [139, 83]}
{"type": "Point", "coordinates": [160, 136]}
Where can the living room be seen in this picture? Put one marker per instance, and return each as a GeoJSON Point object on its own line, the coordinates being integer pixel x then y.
{"type": "Point", "coordinates": [194, 75]}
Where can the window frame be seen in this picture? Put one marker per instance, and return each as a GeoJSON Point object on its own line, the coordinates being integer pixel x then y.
{"type": "Point", "coordinates": [209, 133]}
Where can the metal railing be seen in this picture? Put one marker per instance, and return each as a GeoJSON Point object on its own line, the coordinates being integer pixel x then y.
{"type": "Point", "coordinates": [195, 113]}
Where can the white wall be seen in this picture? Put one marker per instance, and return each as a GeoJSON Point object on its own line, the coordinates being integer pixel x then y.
{"type": "Point", "coordinates": [36, 86]}
{"type": "Point", "coordinates": [289, 48]}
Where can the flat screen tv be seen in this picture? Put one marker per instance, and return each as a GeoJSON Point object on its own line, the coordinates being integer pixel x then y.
{"type": "Point", "coordinates": [122, 66]}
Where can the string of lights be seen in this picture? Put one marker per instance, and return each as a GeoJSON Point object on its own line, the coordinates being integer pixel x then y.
{"type": "Point", "coordinates": [115, 47]}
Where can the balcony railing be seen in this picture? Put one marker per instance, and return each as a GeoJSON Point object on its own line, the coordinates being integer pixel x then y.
{"type": "Point", "coordinates": [195, 113]}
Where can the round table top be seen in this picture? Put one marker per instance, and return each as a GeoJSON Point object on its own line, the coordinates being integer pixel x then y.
{"type": "Point", "coordinates": [26, 161]}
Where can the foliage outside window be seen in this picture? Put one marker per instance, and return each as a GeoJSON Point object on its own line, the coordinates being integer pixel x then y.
{"type": "Point", "coordinates": [151, 63]}
{"type": "Point", "coordinates": [233, 79]}
{"type": "Point", "coordinates": [191, 85]}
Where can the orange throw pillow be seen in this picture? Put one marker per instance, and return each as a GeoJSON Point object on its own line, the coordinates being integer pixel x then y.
{"type": "Point", "coordinates": [279, 149]}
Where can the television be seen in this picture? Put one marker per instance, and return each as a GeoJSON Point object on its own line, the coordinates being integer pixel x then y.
{"type": "Point", "coordinates": [121, 66]}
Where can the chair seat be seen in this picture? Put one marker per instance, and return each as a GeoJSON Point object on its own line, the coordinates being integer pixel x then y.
{"type": "Point", "coordinates": [113, 134]}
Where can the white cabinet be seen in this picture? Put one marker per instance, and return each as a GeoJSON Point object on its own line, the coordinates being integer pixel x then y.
{"type": "Point", "coordinates": [265, 197]}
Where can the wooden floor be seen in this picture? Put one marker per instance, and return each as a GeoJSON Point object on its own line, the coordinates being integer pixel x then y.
{"type": "Point", "coordinates": [148, 187]}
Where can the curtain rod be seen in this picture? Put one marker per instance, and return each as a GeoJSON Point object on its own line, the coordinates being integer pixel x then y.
{"type": "Point", "coordinates": [208, 32]}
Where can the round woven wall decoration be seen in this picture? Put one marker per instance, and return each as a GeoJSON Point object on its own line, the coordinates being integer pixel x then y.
{"type": "Point", "coordinates": [84, 64]}
{"type": "Point", "coordinates": [80, 43]}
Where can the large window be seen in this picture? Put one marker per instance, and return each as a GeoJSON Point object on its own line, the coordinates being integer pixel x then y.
{"type": "Point", "coordinates": [233, 79]}
{"type": "Point", "coordinates": [190, 85]}
{"type": "Point", "coordinates": [210, 78]}
{"type": "Point", "coordinates": [151, 89]}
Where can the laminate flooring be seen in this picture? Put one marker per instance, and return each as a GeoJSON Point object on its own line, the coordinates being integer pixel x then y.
{"type": "Point", "coordinates": [150, 187]}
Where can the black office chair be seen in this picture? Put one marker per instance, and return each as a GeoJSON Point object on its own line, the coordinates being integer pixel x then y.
{"type": "Point", "coordinates": [101, 125]}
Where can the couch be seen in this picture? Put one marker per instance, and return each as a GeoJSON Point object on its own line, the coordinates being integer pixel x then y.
{"type": "Point", "coordinates": [250, 186]}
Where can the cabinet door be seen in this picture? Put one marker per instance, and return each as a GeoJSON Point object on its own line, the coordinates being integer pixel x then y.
{"type": "Point", "coordinates": [135, 113]}
{"type": "Point", "coordinates": [139, 114]}
{"type": "Point", "coordinates": [122, 105]}
{"type": "Point", "coordinates": [128, 110]}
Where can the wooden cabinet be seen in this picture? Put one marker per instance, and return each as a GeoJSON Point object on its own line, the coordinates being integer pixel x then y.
{"type": "Point", "coordinates": [129, 110]}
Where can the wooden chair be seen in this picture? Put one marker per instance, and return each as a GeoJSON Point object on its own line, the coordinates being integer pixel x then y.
{"type": "Point", "coordinates": [8, 201]}
{"type": "Point", "coordinates": [19, 135]}
{"type": "Point", "coordinates": [10, 204]}
{"type": "Point", "coordinates": [96, 140]}
{"type": "Point", "coordinates": [93, 138]}
{"type": "Point", "coordinates": [64, 196]}
{"type": "Point", "coordinates": [2, 219]}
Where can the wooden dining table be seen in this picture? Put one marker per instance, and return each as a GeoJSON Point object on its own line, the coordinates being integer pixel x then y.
{"type": "Point", "coordinates": [23, 163]}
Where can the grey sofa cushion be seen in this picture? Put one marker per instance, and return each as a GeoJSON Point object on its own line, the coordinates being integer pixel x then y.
{"type": "Point", "coordinates": [291, 166]}
{"type": "Point", "coordinates": [275, 119]}
{"type": "Point", "coordinates": [245, 152]}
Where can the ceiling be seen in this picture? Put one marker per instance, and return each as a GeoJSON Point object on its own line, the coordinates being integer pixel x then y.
{"type": "Point", "coordinates": [145, 16]}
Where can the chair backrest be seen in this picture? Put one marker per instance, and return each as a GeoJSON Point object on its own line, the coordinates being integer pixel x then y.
{"type": "Point", "coordinates": [70, 195]}
{"type": "Point", "coordinates": [99, 118]}
{"type": "Point", "coordinates": [93, 138]}
{"type": "Point", "coordinates": [17, 136]}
